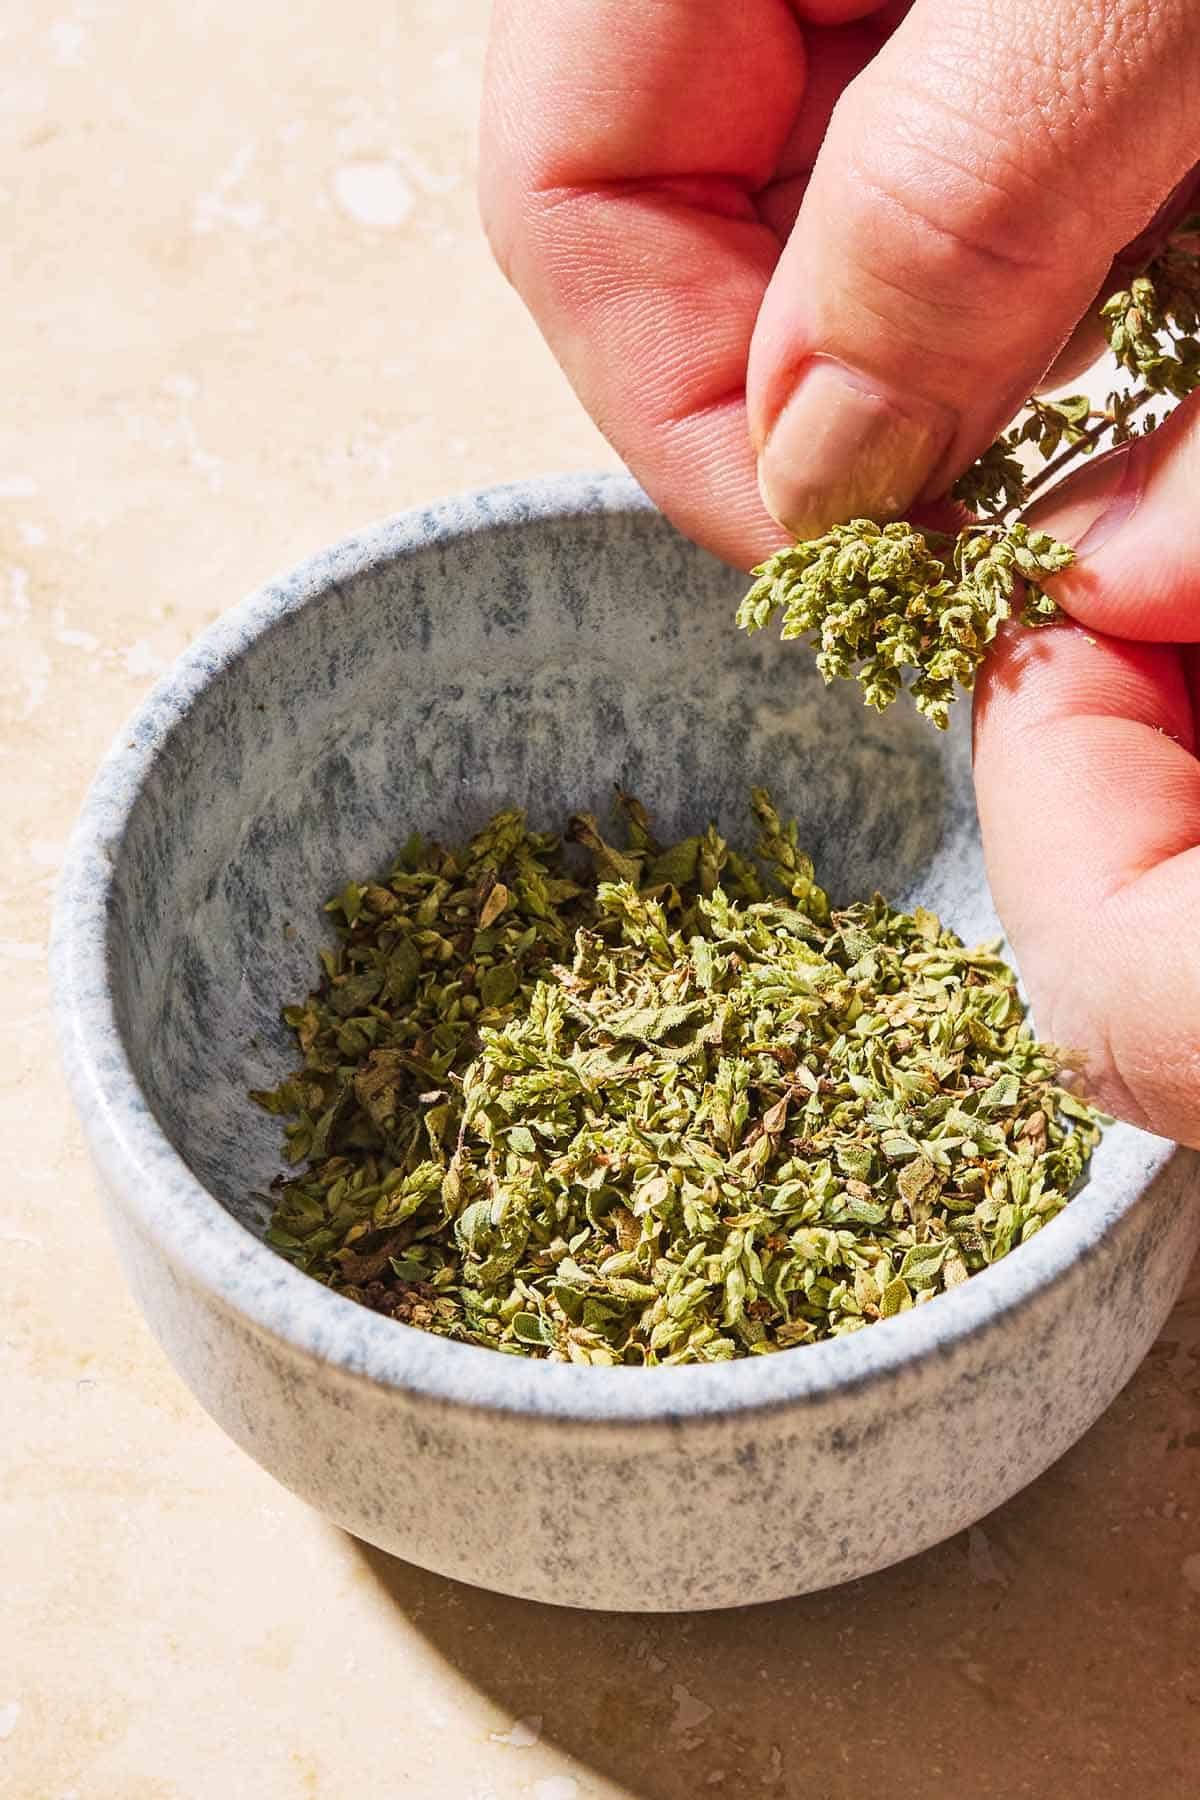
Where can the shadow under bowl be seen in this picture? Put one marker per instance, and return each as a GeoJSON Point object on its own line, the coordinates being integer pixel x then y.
{"type": "Point", "coordinates": [533, 645]}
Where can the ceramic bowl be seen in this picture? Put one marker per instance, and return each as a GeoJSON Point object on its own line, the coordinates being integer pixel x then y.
{"type": "Point", "coordinates": [533, 645]}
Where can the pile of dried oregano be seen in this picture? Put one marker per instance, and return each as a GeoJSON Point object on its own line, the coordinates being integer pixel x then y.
{"type": "Point", "coordinates": [677, 1109]}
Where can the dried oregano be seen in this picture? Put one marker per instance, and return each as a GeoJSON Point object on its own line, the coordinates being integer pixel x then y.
{"type": "Point", "coordinates": [677, 1109]}
{"type": "Point", "coordinates": [875, 600]}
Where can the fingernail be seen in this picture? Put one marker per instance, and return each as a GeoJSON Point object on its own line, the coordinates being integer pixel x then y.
{"type": "Point", "coordinates": [1101, 498]}
{"type": "Point", "coordinates": [842, 449]}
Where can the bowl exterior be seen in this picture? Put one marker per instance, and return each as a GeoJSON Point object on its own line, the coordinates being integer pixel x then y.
{"type": "Point", "coordinates": [692, 1511]}
{"type": "Point", "coordinates": [447, 662]}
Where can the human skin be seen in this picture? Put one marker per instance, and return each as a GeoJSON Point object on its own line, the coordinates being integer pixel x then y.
{"type": "Point", "coordinates": [803, 261]}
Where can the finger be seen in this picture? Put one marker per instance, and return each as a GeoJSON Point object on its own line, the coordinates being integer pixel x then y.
{"type": "Point", "coordinates": [1089, 801]}
{"type": "Point", "coordinates": [621, 147]}
{"type": "Point", "coordinates": [972, 190]}
{"type": "Point", "coordinates": [1133, 520]}
{"type": "Point", "coordinates": [839, 12]}
{"type": "Point", "coordinates": [1082, 350]}
{"type": "Point", "coordinates": [834, 58]}
{"type": "Point", "coordinates": [1086, 343]}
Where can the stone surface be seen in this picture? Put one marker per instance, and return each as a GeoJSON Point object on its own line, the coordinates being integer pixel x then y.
{"type": "Point", "coordinates": [180, 420]}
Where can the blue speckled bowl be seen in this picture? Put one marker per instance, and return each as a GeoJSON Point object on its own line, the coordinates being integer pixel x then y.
{"type": "Point", "coordinates": [534, 644]}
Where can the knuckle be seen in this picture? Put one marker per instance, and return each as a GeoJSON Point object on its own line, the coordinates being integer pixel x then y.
{"type": "Point", "coordinates": [507, 207]}
{"type": "Point", "coordinates": [495, 218]}
{"type": "Point", "coordinates": [958, 197]}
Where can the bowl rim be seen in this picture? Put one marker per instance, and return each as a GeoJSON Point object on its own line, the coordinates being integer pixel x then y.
{"type": "Point", "coordinates": [149, 1181]}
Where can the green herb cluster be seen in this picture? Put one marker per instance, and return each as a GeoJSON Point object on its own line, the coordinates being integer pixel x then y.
{"type": "Point", "coordinates": [875, 600]}
{"type": "Point", "coordinates": [676, 1110]}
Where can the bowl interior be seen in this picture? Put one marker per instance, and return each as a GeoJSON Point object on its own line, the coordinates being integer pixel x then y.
{"type": "Point", "coordinates": [532, 647]}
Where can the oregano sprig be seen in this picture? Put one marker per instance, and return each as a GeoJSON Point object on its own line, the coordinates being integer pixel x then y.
{"type": "Point", "coordinates": [874, 599]}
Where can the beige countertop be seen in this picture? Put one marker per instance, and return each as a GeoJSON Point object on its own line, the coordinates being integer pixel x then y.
{"type": "Point", "coordinates": [246, 307]}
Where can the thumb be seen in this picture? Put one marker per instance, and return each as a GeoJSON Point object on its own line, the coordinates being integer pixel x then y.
{"type": "Point", "coordinates": [973, 187]}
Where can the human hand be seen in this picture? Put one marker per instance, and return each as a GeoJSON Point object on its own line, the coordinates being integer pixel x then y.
{"type": "Point", "coordinates": [644, 167]}
{"type": "Point", "coordinates": [1087, 739]}
{"type": "Point", "coordinates": [844, 239]}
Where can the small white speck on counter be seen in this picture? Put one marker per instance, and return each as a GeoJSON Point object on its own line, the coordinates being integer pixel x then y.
{"type": "Point", "coordinates": [982, 1559]}
{"type": "Point", "coordinates": [525, 1733]}
{"type": "Point", "coordinates": [373, 193]}
{"type": "Point", "coordinates": [690, 1711]}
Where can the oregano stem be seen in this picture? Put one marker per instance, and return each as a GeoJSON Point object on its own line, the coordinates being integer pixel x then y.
{"type": "Point", "coordinates": [1105, 422]}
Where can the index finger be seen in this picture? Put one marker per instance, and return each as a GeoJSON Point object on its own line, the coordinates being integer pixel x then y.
{"type": "Point", "coordinates": [1131, 519]}
{"type": "Point", "coordinates": [622, 143]}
